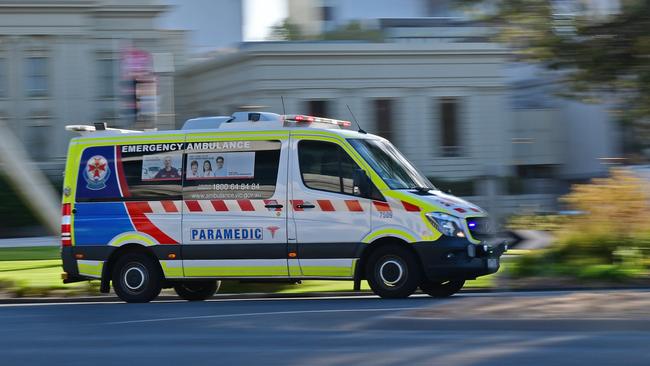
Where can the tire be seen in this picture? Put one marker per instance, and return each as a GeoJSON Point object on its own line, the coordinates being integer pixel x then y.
{"type": "Point", "coordinates": [197, 290]}
{"type": "Point", "coordinates": [441, 289]}
{"type": "Point", "coordinates": [136, 278]}
{"type": "Point", "coordinates": [393, 272]}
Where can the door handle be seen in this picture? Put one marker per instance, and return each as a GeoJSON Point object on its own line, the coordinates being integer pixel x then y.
{"type": "Point", "coordinates": [273, 205]}
{"type": "Point", "coordinates": [305, 205]}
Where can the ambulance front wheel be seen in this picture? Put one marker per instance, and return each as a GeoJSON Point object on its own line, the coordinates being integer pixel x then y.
{"type": "Point", "coordinates": [136, 278]}
{"type": "Point", "coordinates": [197, 290]}
{"type": "Point", "coordinates": [441, 289]}
{"type": "Point", "coordinates": [393, 272]}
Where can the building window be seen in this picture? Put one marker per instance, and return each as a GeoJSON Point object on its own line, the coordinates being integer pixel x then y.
{"type": "Point", "coordinates": [450, 145]}
{"type": "Point", "coordinates": [111, 117]}
{"type": "Point", "coordinates": [37, 76]}
{"type": "Point", "coordinates": [318, 108]}
{"type": "Point", "coordinates": [327, 13]}
{"type": "Point", "coordinates": [384, 118]}
{"type": "Point", "coordinates": [38, 140]}
{"type": "Point", "coordinates": [3, 78]}
{"type": "Point", "coordinates": [106, 74]}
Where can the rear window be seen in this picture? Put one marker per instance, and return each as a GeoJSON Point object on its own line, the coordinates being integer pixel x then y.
{"type": "Point", "coordinates": [151, 176]}
{"type": "Point", "coordinates": [130, 172]}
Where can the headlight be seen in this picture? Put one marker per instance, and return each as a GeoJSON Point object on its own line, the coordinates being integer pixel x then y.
{"type": "Point", "coordinates": [447, 224]}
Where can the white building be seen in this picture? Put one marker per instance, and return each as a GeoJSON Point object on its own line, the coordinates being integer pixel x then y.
{"type": "Point", "coordinates": [444, 105]}
{"type": "Point", "coordinates": [60, 63]}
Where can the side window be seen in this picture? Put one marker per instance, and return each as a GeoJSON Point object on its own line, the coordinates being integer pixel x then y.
{"type": "Point", "coordinates": [326, 166]}
{"type": "Point", "coordinates": [231, 170]}
{"type": "Point", "coordinates": [152, 176]}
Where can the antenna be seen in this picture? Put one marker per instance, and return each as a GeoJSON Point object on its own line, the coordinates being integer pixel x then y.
{"type": "Point", "coordinates": [284, 110]}
{"type": "Point", "coordinates": [355, 120]}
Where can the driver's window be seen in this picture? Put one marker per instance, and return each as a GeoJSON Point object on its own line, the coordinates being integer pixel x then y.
{"type": "Point", "coordinates": [326, 166]}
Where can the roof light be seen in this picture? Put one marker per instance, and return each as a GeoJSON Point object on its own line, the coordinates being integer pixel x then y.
{"type": "Point", "coordinates": [299, 118]}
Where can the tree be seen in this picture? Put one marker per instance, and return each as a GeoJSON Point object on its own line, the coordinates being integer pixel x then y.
{"type": "Point", "coordinates": [352, 31]}
{"type": "Point", "coordinates": [602, 56]}
{"type": "Point", "coordinates": [286, 31]}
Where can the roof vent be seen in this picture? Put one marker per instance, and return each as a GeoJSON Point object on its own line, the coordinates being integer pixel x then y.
{"type": "Point", "coordinates": [255, 117]}
{"type": "Point", "coordinates": [205, 123]}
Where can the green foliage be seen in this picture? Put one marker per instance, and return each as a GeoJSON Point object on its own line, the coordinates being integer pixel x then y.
{"type": "Point", "coordinates": [286, 31]}
{"type": "Point", "coordinates": [602, 56]}
{"type": "Point", "coordinates": [610, 240]}
{"type": "Point", "coordinates": [536, 222]}
{"type": "Point", "coordinates": [353, 31]}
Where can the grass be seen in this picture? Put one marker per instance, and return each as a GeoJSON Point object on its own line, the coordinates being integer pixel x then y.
{"type": "Point", "coordinates": [29, 253]}
{"type": "Point", "coordinates": [38, 278]}
{"type": "Point", "coordinates": [39, 273]}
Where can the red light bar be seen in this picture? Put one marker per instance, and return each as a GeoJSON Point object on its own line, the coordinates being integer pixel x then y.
{"type": "Point", "coordinates": [66, 211]}
{"type": "Point", "coordinates": [299, 118]}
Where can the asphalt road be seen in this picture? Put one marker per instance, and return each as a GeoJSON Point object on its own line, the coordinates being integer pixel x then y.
{"type": "Point", "coordinates": [304, 331]}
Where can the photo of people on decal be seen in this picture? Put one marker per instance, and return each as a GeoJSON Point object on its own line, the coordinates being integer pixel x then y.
{"type": "Point", "coordinates": [161, 167]}
{"type": "Point", "coordinates": [194, 170]}
{"type": "Point", "coordinates": [207, 169]}
{"type": "Point", "coordinates": [231, 165]}
{"type": "Point", "coordinates": [220, 170]}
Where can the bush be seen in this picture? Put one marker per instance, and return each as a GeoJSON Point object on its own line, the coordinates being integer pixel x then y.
{"type": "Point", "coordinates": [609, 240]}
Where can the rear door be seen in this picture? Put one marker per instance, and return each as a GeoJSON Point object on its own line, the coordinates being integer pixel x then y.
{"type": "Point", "coordinates": [329, 220]}
{"type": "Point", "coordinates": [130, 193]}
{"type": "Point", "coordinates": [234, 211]}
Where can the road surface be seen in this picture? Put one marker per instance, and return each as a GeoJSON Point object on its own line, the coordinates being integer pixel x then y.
{"type": "Point", "coordinates": [301, 331]}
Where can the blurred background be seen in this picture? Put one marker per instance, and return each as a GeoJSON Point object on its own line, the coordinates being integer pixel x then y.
{"type": "Point", "coordinates": [509, 104]}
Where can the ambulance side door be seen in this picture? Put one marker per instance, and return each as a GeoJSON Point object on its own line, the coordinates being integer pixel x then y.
{"type": "Point", "coordinates": [234, 206]}
{"type": "Point", "coordinates": [329, 220]}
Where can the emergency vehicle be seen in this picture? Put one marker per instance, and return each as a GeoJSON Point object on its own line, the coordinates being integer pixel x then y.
{"type": "Point", "coordinates": [261, 196]}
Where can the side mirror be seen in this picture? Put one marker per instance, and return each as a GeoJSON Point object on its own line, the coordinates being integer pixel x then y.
{"type": "Point", "coordinates": [361, 183]}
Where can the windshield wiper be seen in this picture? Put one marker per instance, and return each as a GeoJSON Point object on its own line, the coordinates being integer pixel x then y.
{"type": "Point", "coordinates": [421, 189]}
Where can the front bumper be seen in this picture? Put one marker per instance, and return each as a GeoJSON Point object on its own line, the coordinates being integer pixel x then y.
{"type": "Point", "coordinates": [457, 259]}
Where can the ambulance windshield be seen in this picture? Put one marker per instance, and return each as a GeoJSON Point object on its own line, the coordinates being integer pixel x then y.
{"type": "Point", "coordinates": [391, 165]}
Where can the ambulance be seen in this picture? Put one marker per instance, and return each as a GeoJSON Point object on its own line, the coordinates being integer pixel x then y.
{"type": "Point", "coordinates": [261, 197]}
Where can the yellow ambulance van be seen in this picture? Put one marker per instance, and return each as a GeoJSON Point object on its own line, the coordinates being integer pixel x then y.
{"type": "Point", "coordinates": [261, 196]}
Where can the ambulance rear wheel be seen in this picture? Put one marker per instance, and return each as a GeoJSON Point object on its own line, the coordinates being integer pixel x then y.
{"type": "Point", "coordinates": [197, 290]}
{"type": "Point", "coordinates": [393, 272]}
{"type": "Point", "coordinates": [441, 289]}
{"type": "Point", "coordinates": [136, 278]}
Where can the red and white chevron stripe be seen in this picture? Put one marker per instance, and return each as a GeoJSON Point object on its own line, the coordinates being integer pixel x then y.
{"type": "Point", "coordinates": [169, 207]}
{"type": "Point", "coordinates": [227, 205]}
{"type": "Point", "coordinates": [177, 207]}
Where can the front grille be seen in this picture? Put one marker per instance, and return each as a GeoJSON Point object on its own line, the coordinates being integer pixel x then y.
{"type": "Point", "coordinates": [479, 227]}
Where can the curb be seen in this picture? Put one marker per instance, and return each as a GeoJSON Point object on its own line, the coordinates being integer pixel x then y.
{"type": "Point", "coordinates": [262, 296]}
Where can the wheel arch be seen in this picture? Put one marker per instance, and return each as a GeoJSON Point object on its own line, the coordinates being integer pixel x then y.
{"type": "Point", "coordinates": [107, 271]}
{"type": "Point", "coordinates": [359, 272]}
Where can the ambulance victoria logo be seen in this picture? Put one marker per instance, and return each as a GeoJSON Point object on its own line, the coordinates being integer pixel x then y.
{"type": "Point", "coordinates": [96, 172]}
